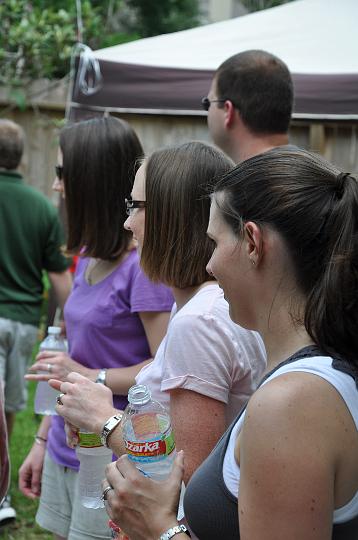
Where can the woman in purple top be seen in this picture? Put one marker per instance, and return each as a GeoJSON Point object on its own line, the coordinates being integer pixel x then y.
{"type": "Point", "coordinates": [115, 317]}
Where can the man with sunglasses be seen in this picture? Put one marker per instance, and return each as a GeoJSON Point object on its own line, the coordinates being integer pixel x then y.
{"type": "Point", "coordinates": [30, 240]}
{"type": "Point", "coordinates": [250, 104]}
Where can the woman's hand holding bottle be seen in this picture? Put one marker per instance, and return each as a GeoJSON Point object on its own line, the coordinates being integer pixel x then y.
{"type": "Point", "coordinates": [143, 508]}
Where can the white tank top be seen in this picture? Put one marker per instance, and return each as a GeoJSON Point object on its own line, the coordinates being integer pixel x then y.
{"type": "Point", "coordinates": [343, 383]}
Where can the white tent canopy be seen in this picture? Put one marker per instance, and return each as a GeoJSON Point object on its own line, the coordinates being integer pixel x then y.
{"type": "Point", "coordinates": [310, 36]}
{"type": "Point", "coordinates": [170, 73]}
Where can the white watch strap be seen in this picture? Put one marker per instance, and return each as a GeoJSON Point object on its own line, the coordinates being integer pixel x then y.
{"type": "Point", "coordinates": [167, 535]}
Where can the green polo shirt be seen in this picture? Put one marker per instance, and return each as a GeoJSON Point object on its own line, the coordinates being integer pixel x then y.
{"type": "Point", "coordinates": [30, 240]}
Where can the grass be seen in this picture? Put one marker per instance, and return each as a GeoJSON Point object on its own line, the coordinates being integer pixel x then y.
{"type": "Point", "coordinates": [26, 424]}
{"type": "Point", "coordinates": [25, 527]}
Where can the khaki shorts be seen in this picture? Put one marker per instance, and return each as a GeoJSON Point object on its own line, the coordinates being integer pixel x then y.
{"type": "Point", "coordinates": [60, 510]}
{"type": "Point", "coordinates": [17, 341]}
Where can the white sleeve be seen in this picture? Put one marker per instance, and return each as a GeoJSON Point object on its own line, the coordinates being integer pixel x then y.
{"type": "Point", "coordinates": [199, 356]}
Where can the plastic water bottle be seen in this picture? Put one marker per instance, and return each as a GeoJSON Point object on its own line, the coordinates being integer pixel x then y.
{"type": "Point", "coordinates": [93, 458]}
{"type": "Point", "coordinates": [147, 434]}
{"type": "Point", "coordinates": [45, 397]}
{"type": "Point", "coordinates": [148, 437]}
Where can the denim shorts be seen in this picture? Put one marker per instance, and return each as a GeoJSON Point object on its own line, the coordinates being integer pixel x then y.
{"type": "Point", "coordinates": [17, 341]}
{"type": "Point", "coordinates": [60, 510]}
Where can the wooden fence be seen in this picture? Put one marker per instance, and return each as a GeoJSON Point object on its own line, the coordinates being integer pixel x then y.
{"type": "Point", "coordinates": [46, 110]}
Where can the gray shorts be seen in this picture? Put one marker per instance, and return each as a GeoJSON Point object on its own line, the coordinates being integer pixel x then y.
{"type": "Point", "coordinates": [17, 341]}
{"type": "Point", "coordinates": [60, 510]}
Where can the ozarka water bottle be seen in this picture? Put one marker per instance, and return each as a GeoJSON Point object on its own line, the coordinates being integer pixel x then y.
{"type": "Point", "coordinates": [45, 398]}
{"type": "Point", "coordinates": [147, 434]}
{"type": "Point", "coordinates": [93, 458]}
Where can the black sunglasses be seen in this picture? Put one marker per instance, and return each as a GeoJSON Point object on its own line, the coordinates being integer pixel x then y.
{"type": "Point", "coordinates": [131, 205]}
{"type": "Point", "coordinates": [206, 102]}
{"type": "Point", "coordinates": [59, 171]}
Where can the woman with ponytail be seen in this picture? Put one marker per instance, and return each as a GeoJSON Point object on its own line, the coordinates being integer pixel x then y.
{"type": "Point", "coordinates": [285, 229]}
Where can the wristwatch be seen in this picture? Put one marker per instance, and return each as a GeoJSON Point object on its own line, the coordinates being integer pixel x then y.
{"type": "Point", "coordinates": [109, 426]}
{"type": "Point", "coordinates": [173, 531]}
{"type": "Point", "coordinates": [101, 377]}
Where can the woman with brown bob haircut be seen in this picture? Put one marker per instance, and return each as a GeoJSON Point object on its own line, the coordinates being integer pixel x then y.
{"type": "Point", "coordinates": [101, 161]}
{"type": "Point", "coordinates": [115, 316]}
{"type": "Point", "coordinates": [285, 227]}
{"type": "Point", "coordinates": [175, 245]}
{"type": "Point", "coordinates": [206, 366]}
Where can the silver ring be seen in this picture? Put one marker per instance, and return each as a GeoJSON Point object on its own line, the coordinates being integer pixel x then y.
{"type": "Point", "coordinates": [59, 400]}
{"type": "Point", "coordinates": [49, 368]}
{"type": "Point", "coordinates": [105, 491]}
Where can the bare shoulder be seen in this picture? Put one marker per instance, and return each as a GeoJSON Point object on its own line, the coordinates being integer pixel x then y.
{"type": "Point", "coordinates": [301, 408]}
{"type": "Point", "coordinates": [297, 452]}
{"type": "Point", "coordinates": [304, 392]}
{"type": "Point", "coordinates": [287, 462]}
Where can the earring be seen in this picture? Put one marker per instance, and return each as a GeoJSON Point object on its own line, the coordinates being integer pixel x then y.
{"type": "Point", "coordinates": [253, 262]}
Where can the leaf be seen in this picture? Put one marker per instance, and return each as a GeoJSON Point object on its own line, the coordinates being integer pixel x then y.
{"type": "Point", "coordinates": [18, 96]}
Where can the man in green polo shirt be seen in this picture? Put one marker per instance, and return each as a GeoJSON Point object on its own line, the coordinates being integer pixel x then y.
{"type": "Point", "coordinates": [30, 242]}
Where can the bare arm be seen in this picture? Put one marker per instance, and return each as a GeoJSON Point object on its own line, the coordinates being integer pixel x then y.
{"type": "Point", "coordinates": [30, 472]}
{"type": "Point", "coordinates": [62, 284]}
{"type": "Point", "coordinates": [155, 325]}
{"type": "Point", "coordinates": [97, 401]}
{"type": "Point", "coordinates": [195, 432]}
{"type": "Point", "coordinates": [287, 462]}
{"type": "Point", "coordinates": [119, 380]}
{"type": "Point", "coordinates": [44, 427]}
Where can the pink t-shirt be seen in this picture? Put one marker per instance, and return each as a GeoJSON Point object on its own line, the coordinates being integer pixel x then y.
{"type": "Point", "coordinates": [205, 352]}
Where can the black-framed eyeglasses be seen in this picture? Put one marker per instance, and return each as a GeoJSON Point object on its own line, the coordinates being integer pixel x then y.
{"type": "Point", "coordinates": [59, 172]}
{"type": "Point", "coordinates": [131, 205]}
{"type": "Point", "coordinates": [206, 102]}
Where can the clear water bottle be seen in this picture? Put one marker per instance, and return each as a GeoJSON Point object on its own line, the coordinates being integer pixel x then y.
{"type": "Point", "coordinates": [148, 437]}
{"type": "Point", "coordinates": [45, 397]}
{"type": "Point", "coordinates": [93, 458]}
{"type": "Point", "coordinates": [147, 434]}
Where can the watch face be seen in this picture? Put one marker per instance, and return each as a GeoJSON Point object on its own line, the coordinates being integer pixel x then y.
{"type": "Point", "coordinates": [112, 423]}
{"type": "Point", "coordinates": [101, 377]}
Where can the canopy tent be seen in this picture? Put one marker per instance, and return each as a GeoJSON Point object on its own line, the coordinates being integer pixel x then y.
{"type": "Point", "coordinates": [169, 74]}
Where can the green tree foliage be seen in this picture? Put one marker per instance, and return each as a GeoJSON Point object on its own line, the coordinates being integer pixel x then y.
{"type": "Point", "coordinates": [36, 38]}
{"type": "Point", "coordinates": [258, 5]}
{"type": "Point", "coordinates": [154, 18]}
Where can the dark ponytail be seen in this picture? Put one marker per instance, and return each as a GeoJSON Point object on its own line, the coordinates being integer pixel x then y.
{"type": "Point", "coordinates": [314, 208]}
{"type": "Point", "coordinates": [331, 316]}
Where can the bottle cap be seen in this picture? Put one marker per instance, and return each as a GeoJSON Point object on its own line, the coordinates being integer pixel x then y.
{"type": "Point", "coordinates": [139, 394]}
{"type": "Point", "coordinates": [56, 330]}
